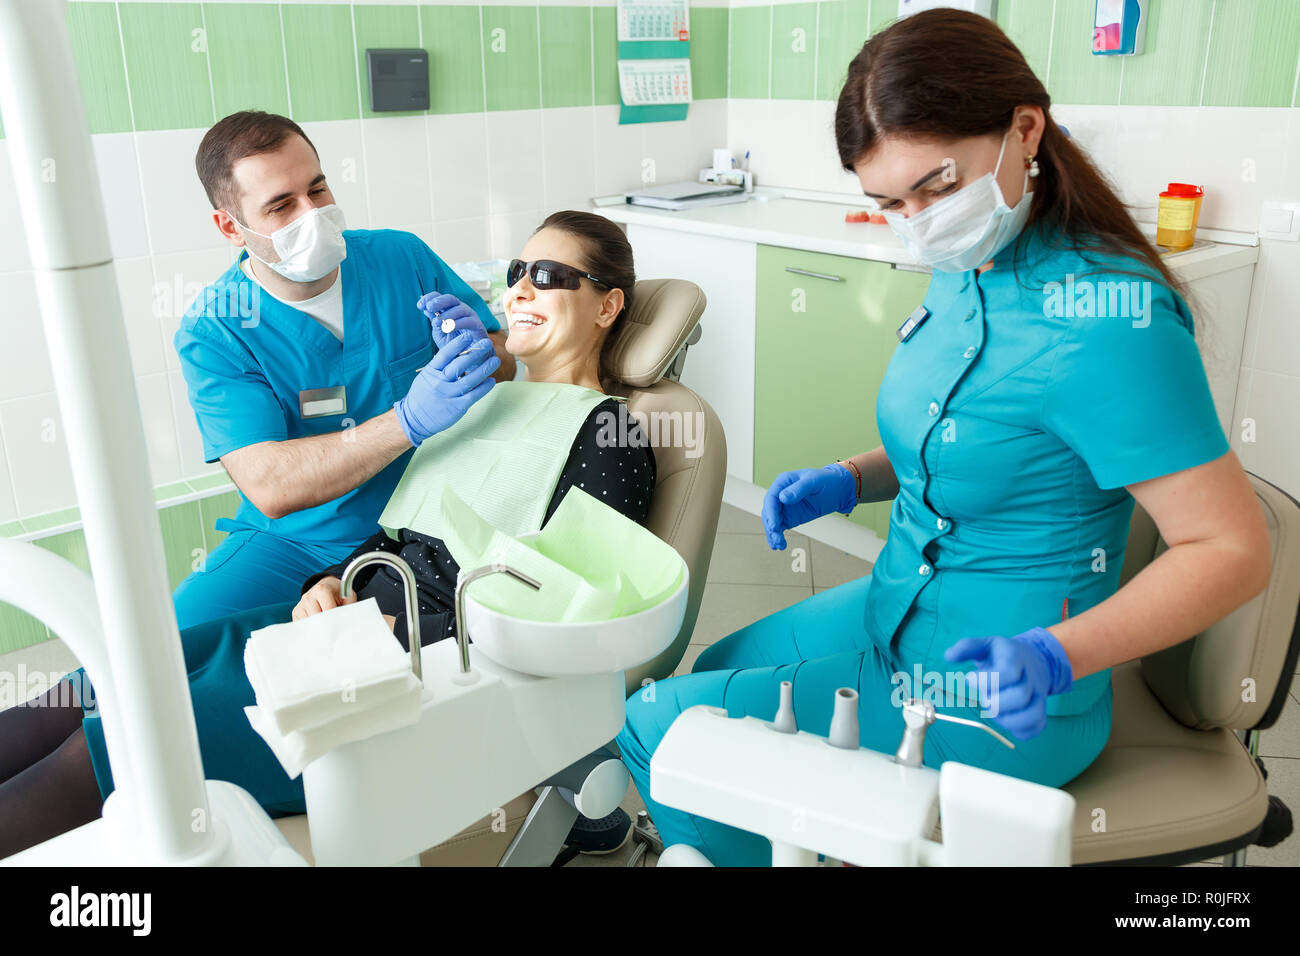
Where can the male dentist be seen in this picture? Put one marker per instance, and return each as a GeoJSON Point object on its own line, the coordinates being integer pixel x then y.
{"type": "Point", "coordinates": [310, 368]}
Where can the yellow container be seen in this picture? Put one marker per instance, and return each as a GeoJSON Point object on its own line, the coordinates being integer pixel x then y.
{"type": "Point", "coordinates": [1179, 210]}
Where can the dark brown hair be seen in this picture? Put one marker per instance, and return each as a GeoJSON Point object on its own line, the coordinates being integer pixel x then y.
{"type": "Point", "coordinates": [950, 74]}
{"type": "Point", "coordinates": [233, 138]}
{"type": "Point", "coordinates": [606, 253]}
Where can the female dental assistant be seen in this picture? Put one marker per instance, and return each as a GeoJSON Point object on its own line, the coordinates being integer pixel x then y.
{"type": "Point", "coordinates": [1017, 432]}
{"type": "Point", "coordinates": [303, 363]}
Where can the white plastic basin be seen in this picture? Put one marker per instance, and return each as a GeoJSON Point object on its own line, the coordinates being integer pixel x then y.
{"type": "Point", "coordinates": [550, 649]}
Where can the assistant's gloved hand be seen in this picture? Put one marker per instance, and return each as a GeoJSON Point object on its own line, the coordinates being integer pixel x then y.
{"type": "Point", "coordinates": [446, 387]}
{"type": "Point", "coordinates": [805, 494]}
{"type": "Point", "coordinates": [438, 307]}
{"type": "Point", "coordinates": [1029, 668]}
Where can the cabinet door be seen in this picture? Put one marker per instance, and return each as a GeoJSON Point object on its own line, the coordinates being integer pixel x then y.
{"type": "Point", "coordinates": [826, 327]}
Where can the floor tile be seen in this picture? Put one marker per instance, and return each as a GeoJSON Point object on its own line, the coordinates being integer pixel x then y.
{"type": "Point", "coordinates": [729, 607]}
{"type": "Point", "coordinates": [1283, 738]}
{"type": "Point", "coordinates": [746, 559]}
{"type": "Point", "coordinates": [831, 566]}
{"type": "Point", "coordinates": [734, 520]}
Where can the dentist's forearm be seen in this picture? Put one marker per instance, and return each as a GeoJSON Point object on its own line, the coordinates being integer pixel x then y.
{"type": "Point", "coordinates": [1181, 593]}
{"type": "Point", "coordinates": [879, 483]}
{"type": "Point", "coordinates": [280, 478]}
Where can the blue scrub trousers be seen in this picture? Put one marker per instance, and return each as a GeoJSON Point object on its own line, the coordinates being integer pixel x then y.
{"type": "Point", "coordinates": [820, 645]}
{"type": "Point", "coordinates": [251, 569]}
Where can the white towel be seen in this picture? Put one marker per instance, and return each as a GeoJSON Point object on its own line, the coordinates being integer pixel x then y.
{"type": "Point", "coordinates": [307, 673]}
{"type": "Point", "coordinates": [297, 749]}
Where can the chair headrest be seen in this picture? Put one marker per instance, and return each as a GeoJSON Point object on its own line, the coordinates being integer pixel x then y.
{"type": "Point", "coordinates": [648, 337]}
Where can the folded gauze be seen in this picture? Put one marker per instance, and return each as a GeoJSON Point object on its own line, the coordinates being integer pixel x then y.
{"type": "Point", "coordinates": [296, 750]}
{"type": "Point", "coordinates": [338, 663]}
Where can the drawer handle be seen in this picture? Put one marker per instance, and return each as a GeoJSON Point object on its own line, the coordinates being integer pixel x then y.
{"type": "Point", "coordinates": [815, 275]}
{"type": "Point", "coordinates": [908, 267]}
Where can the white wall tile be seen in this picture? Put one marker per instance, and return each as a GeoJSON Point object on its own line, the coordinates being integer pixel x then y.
{"type": "Point", "coordinates": [189, 442]}
{"type": "Point", "coordinates": [177, 211]}
{"type": "Point", "coordinates": [511, 230]}
{"type": "Point", "coordinates": [397, 170]}
{"type": "Point", "coordinates": [343, 161]}
{"type": "Point", "coordinates": [1273, 401]}
{"type": "Point", "coordinates": [38, 454]}
{"type": "Point", "coordinates": [119, 184]}
{"type": "Point", "coordinates": [463, 240]}
{"type": "Point", "coordinates": [422, 229]}
{"type": "Point", "coordinates": [620, 153]}
{"type": "Point", "coordinates": [159, 424]}
{"type": "Point", "coordinates": [135, 288]}
{"type": "Point", "coordinates": [14, 256]}
{"type": "Point", "coordinates": [1277, 291]}
{"type": "Point", "coordinates": [177, 280]}
{"type": "Point", "coordinates": [458, 165]}
{"type": "Point", "coordinates": [8, 509]}
{"type": "Point", "coordinates": [24, 357]}
{"type": "Point", "coordinates": [515, 176]}
{"type": "Point", "coordinates": [569, 154]}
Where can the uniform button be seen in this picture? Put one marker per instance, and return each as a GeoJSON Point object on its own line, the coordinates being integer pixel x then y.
{"type": "Point", "coordinates": [934, 409]}
{"type": "Point", "coordinates": [941, 524]}
{"type": "Point", "coordinates": [924, 570]}
{"type": "Point", "coordinates": [969, 353]}
{"type": "Point", "coordinates": [969, 315]}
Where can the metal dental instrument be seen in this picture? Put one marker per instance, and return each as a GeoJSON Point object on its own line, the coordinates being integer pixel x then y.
{"type": "Point", "coordinates": [918, 715]}
{"type": "Point", "coordinates": [463, 582]}
{"type": "Point", "coordinates": [412, 598]}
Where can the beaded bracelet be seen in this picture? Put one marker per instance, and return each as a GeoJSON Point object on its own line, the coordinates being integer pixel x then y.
{"type": "Point", "coordinates": [857, 475]}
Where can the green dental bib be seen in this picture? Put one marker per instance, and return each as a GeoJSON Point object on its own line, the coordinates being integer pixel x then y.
{"type": "Point", "coordinates": [503, 459]}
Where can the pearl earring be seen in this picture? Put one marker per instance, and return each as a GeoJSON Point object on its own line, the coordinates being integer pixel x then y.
{"type": "Point", "coordinates": [1031, 164]}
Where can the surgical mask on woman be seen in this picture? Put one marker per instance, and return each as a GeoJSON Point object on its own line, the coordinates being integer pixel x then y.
{"type": "Point", "coordinates": [966, 229]}
{"type": "Point", "coordinates": [310, 247]}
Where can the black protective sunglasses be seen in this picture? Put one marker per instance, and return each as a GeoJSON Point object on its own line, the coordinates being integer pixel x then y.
{"type": "Point", "coordinates": [549, 274]}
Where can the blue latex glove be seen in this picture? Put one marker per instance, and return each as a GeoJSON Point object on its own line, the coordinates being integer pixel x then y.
{"type": "Point", "coordinates": [1030, 667]}
{"type": "Point", "coordinates": [799, 496]}
{"type": "Point", "coordinates": [446, 387]}
{"type": "Point", "coordinates": [438, 307]}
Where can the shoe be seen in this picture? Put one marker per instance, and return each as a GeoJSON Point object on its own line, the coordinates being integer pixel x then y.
{"type": "Point", "coordinates": [602, 836]}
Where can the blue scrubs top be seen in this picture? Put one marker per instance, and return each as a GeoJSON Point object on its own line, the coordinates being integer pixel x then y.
{"type": "Point", "coordinates": [1014, 416]}
{"type": "Point", "coordinates": [246, 356]}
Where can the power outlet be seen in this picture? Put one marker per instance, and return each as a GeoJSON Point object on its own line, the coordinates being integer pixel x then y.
{"type": "Point", "coordinates": [1280, 220]}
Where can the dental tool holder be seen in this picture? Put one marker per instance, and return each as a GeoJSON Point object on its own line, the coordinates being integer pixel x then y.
{"type": "Point", "coordinates": [808, 796]}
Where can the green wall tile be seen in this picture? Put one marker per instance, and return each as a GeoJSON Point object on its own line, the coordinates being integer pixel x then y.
{"type": "Point", "coordinates": [841, 31]}
{"type": "Point", "coordinates": [11, 529]}
{"type": "Point", "coordinates": [751, 52]}
{"type": "Point", "coordinates": [709, 37]}
{"type": "Point", "coordinates": [212, 508]}
{"type": "Point", "coordinates": [204, 482]}
{"type": "Point", "coordinates": [321, 60]}
{"type": "Point", "coordinates": [885, 12]}
{"type": "Point", "coordinates": [1169, 70]}
{"type": "Point", "coordinates": [1253, 50]}
{"type": "Point", "coordinates": [19, 630]}
{"type": "Point", "coordinates": [1075, 75]}
{"type": "Point", "coordinates": [566, 67]}
{"type": "Point", "coordinates": [380, 27]}
{"type": "Point", "coordinates": [177, 489]}
{"type": "Point", "coordinates": [604, 40]}
{"type": "Point", "coordinates": [451, 35]}
{"type": "Point", "coordinates": [166, 65]}
{"type": "Point", "coordinates": [97, 49]}
{"type": "Point", "coordinates": [182, 532]}
{"type": "Point", "coordinates": [1028, 24]}
{"type": "Point", "coordinates": [51, 519]}
{"type": "Point", "coordinates": [510, 58]}
{"type": "Point", "coordinates": [70, 545]}
{"type": "Point", "coordinates": [794, 51]}
{"type": "Point", "coordinates": [246, 50]}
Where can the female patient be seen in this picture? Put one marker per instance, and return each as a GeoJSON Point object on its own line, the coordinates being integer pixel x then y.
{"type": "Point", "coordinates": [571, 287]}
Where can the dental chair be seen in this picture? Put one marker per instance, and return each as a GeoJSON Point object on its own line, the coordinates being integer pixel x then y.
{"type": "Point", "coordinates": [1175, 784]}
{"type": "Point", "coordinates": [642, 364]}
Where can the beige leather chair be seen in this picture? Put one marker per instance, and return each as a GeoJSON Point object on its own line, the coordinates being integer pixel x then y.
{"type": "Point", "coordinates": [691, 466]}
{"type": "Point", "coordinates": [1175, 784]}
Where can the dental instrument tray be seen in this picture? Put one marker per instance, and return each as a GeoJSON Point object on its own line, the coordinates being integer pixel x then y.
{"type": "Point", "coordinates": [686, 195]}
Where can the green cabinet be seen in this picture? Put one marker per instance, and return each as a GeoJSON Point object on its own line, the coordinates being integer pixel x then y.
{"type": "Point", "coordinates": [826, 327]}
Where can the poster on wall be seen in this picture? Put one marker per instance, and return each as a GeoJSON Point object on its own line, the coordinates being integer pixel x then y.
{"type": "Point", "coordinates": [654, 66]}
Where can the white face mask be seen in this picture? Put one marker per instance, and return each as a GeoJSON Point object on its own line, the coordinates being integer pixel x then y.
{"type": "Point", "coordinates": [309, 248]}
{"type": "Point", "coordinates": [966, 229]}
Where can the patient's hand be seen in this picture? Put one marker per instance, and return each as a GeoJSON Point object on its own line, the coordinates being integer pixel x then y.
{"type": "Point", "coordinates": [323, 596]}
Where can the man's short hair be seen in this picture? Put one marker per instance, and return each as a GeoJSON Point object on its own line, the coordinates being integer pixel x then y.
{"type": "Point", "coordinates": [237, 136]}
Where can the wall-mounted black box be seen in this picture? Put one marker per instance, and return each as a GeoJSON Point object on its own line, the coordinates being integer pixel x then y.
{"type": "Point", "coordinates": [399, 80]}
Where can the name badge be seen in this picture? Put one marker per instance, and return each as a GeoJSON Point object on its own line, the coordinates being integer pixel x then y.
{"type": "Point", "coordinates": [322, 402]}
{"type": "Point", "coordinates": [913, 323]}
